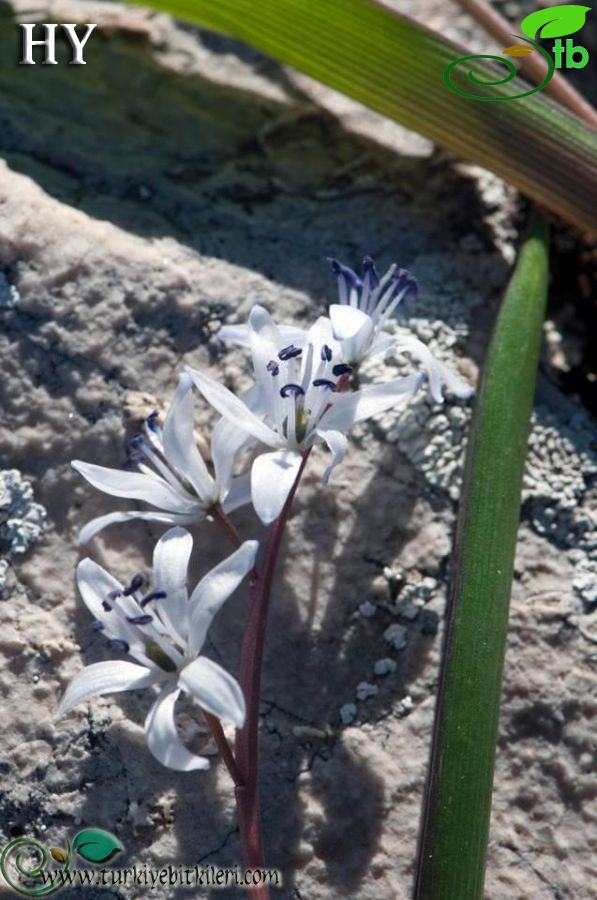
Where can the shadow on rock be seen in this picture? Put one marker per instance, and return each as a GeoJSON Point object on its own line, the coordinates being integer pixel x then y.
{"type": "Point", "coordinates": [231, 173]}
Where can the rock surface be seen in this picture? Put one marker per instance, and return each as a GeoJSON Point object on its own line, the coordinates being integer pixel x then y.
{"type": "Point", "coordinates": [160, 191]}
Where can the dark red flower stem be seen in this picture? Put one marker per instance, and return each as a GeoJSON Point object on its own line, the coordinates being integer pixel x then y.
{"type": "Point", "coordinates": [247, 739]}
{"type": "Point", "coordinates": [227, 526]}
{"type": "Point", "coordinates": [223, 746]}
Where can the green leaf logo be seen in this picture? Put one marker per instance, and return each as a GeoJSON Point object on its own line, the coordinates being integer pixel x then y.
{"type": "Point", "coordinates": [557, 21]}
{"type": "Point", "coordinates": [96, 846]}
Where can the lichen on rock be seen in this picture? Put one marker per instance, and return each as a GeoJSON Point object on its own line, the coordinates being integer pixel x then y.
{"type": "Point", "coordinates": [22, 520]}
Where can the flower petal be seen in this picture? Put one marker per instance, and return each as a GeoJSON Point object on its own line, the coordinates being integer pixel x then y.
{"type": "Point", "coordinates": [215, 588]}
{"type": "Point", "coordinates": [240, 335]}
{"type": "Point", "coordinates": [439, 374]}
{"type": "Point", "coordinates": [162, 737]}
{"type": "Point", "coordinates": [106, 678]}
{"type": "Point", "coordinates": [266, 342]}
{"type": "Point", "coordinates": [272, 477]}
{"type": "Point", "coordinates": [231, 407]}
{"type": "Point", "coordinates": [170, 564]}
{"type": "Point", "coordinates": [353, 329]}
{"type": "Point", "coordinates": [347, 409]}
{"type": "Point", "coordinates": [180, 448]}
{"type": "Point", "coordinates": [96, 525]}
{"type": "Point", "coordinates": [337, 443]}
{"type": "Point", "coordinates": [235, 334]}
{"type": "Point", "coordinates": [227, 441]}
{"type": "Point", "coordinates": [95, 586]}
{"type": "Point", "coordinates": [264, 331]}
{"type": "Point", "coordinates": [383, 342]}
{"type": "Point", "coordinates": [134, 485]}
{"type": "Point", "coordinates": [214, 690]}
{"type": "Point", "coordinates": [239, 493]}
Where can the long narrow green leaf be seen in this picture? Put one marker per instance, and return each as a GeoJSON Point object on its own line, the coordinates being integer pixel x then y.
{"type": "Point", "coordinates": [396, 66]}
{"type": "Point", "coordinates": [455, 822]}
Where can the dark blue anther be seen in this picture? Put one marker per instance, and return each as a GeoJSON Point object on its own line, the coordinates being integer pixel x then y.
{"type": "Point", "coordinates": [118, 644]}
{"type": "Point", "coordinates": [345, 272]}
{"type": "Point", "coordinates": [294, 390]}
{"type": "Point", "coordinates": [152, 422]}
{"type": "Point", "coordinates": [369, 268]}
{"type": "Point", "coordinates": [273, 368]}
{"type": "Point", "coordinates": [342, 369]}
{"type": "Point", "coordinates": [289, 352]}
{"type": "Point", "coordinates": [140, 620]}
{"type": "Point", "coordinates": [109, 599]}
{"type": "Point", "coordinates": [98, 626]}
{"type": "Point", "coordinates": [135, 585]}
{"type": "Point", "coordinates": [324, 382]}
{"type": "Point", "coordinates": [406, 284]}
{"type": "Point", "coordinates": [133, 459]}
{"type": "Point", "coordinates": [326, 353]}
{"type": "Point", "coordinates": [154, 595]}
{"type": "Point", "coordinates": [137, 441]}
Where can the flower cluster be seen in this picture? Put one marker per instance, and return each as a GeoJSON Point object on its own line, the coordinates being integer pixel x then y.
{"type": "Point", "coordinates": [303, 395]}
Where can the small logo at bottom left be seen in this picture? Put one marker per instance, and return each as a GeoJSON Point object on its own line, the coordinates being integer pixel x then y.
{"type": "Point", "coordinates": [34, 870]}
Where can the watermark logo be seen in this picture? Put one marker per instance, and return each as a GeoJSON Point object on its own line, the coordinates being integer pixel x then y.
{"type": "Point", "coordinates": [555, 22]}
{"type": "Point", "coordinates": [48, 42]}
{"type": "Point", "coordinates": [26, 864]}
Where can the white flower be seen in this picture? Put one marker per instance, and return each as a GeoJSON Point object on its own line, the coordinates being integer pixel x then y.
{"type": "Point", "coordinates": [359, 321]}
{"type": "Point", "coordinates": [179, 484]}
{"type": "Point", "coordinates": [164, 631]}
{"type": "Point", "coordinates": [365, 307]}
{"type": "Point", "coordinates": [298, 405]}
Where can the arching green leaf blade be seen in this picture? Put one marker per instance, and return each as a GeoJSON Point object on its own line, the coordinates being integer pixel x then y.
{"type": "Point", "coordinates": [396, 67]}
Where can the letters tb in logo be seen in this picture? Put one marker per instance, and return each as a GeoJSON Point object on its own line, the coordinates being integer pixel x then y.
{"type": "Point", "coordinates": [49, 43]}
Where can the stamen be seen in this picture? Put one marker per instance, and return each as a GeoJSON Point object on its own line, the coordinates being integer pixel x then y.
{"type": "Point", "coordinates": [325, 382]}
{"type": "Point", "coordinates": [98, 626]}
{"type": "Point", "coordinates": [407, 284]}
{"type": "Point", "coordinates": [273, 368]}
{"type": "Point", "coordinates": [371, 271]}
{"type": "Point", "coordinates": [137, 442]}
{"type": "Point", "coordinates": [326, 353]}
{"type": "Point", "coordinates": [118, 644]}
{"type": "Point", "coordinates": [133, 459]}
{"type": "Point", "coordinates": [154, 595]}
{"type": "Point", "coordinates": [294, 390]}
{"type": "Point", "coordinates": [109, 599]}
{"type": "Point", "coordinates": [403, 289]}
{"type": "Point", "coordinates": [350, 275]}
{"type": "Point", "coordinates": [151, 420]}
{"type": "Point", "coordinates": [135, 585]}
{"type": "Point", "coordinates": [342, 369]}
{"type": "Point", "coordinates": [289, 352]}
{"type": "Point", "coordinates": [140, 620]}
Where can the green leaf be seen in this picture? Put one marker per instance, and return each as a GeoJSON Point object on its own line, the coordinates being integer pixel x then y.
{"type": "Point", "coordinates": [396, 67]}
{"type": "Point", "coordinates": [455, 821]}
{"type": "Point", "coordinates": [556, 21]}
{"type": "Point", "coordinates": [96, 845]}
